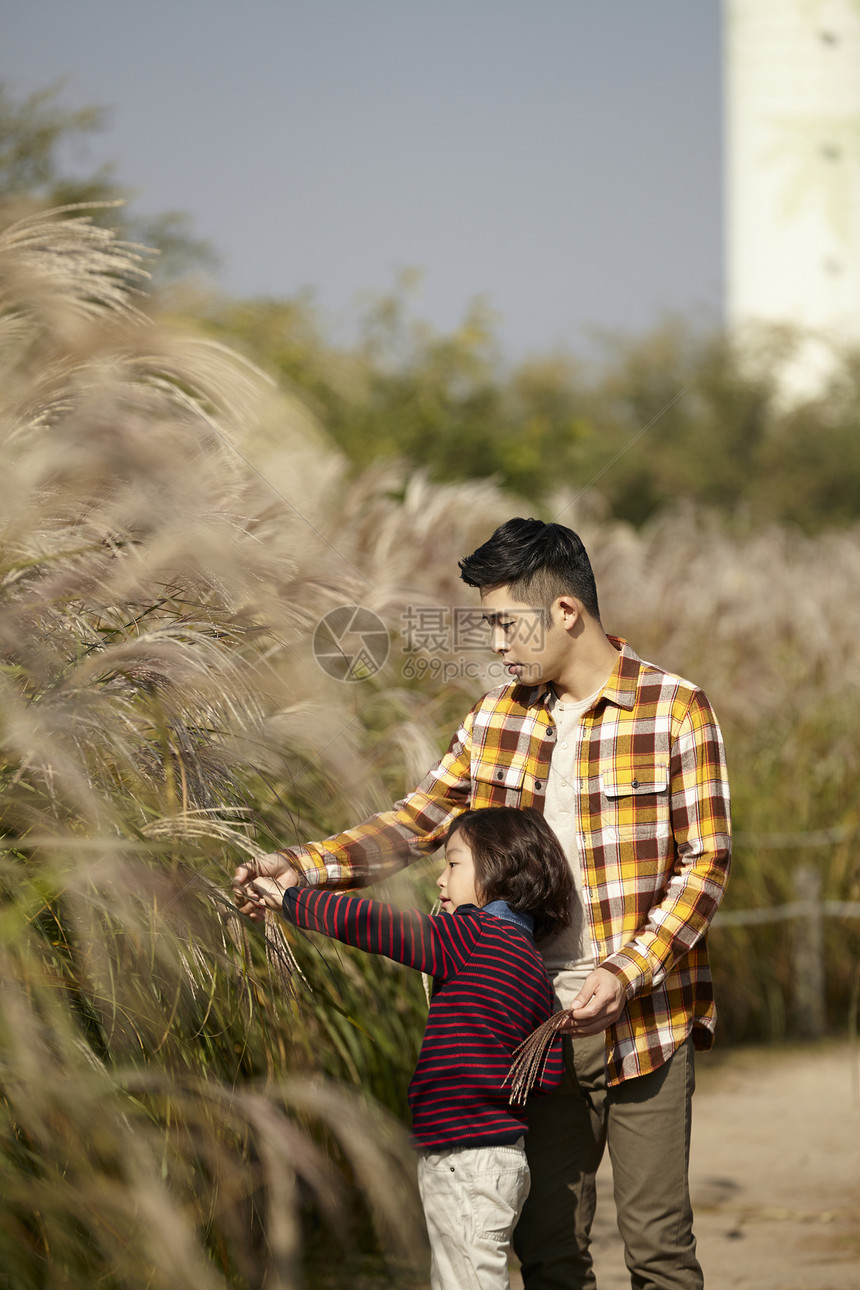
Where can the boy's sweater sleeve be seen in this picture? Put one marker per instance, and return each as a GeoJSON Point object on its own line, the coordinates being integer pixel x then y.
{"type": "Point", "coordinates": [406, 936]}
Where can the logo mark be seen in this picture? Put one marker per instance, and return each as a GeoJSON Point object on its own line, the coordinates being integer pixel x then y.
{"type": "Point", "coordinates": [351, 643]}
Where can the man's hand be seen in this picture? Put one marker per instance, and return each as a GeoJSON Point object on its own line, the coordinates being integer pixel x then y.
{"type": "Point", "coordinates": [600, 1002]}
{"type": "Point", "coordinates": [259, 885]}
{"type": "Point", "coordinates": [271, 891]}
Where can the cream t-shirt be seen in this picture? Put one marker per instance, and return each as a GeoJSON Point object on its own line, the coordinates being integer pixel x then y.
{"type": "Point", "coordinates": [567, 954]}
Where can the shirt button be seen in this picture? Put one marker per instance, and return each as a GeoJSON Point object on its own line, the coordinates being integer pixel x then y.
{"type": "Point", "coordinates": [500, 774]}
{"type": "Point", "coordinates": [538, 784]}
{"type": "Point", "coordinates": [564, 745]}
{"type": "Point", "coordinates": [635, 784]}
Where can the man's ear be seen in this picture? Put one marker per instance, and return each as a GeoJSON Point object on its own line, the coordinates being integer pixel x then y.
{"type": "Point", "coordinates": [570, 611]}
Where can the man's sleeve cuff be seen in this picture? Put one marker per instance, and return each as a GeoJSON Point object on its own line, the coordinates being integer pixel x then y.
{"type": "Point", "coordinates": [309, 870]}
{"type": "Point", "coordinates": [632, 969]}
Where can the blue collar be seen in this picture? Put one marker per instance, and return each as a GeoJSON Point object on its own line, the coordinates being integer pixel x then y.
{"type": "Point", "coordinates": [501, 909]}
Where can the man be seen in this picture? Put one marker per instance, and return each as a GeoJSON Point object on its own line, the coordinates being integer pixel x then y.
{"type": "Point", "coordinates": [627, 764]}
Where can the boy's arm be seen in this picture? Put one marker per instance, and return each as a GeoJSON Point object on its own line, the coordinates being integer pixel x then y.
{"type": "Point", "coordinates": [702, 830]}
{"type": "Point", "coordinates": [414, 827]}
{"type": "Point", "coordinates": [406, 936]}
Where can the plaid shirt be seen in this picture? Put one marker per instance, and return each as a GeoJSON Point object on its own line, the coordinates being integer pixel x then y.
{"type": "Point", "coordinates": [654, 836]}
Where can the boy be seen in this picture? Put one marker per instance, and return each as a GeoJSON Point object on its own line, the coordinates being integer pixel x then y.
{"type": "Point", "coordinates": [505, 877]}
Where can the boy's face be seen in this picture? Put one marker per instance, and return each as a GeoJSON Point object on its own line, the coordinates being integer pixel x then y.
{"type": "Point", "coordinates": [533, 642]}
{"type": "Point", "coordinates": [456, 882]}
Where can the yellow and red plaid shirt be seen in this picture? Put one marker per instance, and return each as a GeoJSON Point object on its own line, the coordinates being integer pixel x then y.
{"type": "Point", "coordinates": [654, 836]}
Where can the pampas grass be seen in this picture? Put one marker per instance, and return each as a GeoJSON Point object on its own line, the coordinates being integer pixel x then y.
{"type": "Point", "coordinates": [154, 593]}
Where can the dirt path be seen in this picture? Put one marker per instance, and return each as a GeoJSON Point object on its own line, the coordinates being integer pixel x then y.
{"type": "Point", "coordinates": [775, 1173]}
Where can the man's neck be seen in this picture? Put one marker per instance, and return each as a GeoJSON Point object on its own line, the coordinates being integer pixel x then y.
{"type": "Point", "coordinates": [595, 661]}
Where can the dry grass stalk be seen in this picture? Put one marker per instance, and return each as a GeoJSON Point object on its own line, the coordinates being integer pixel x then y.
{"type": "Point", "coordinates": [153, 590]}
{"type": "Point", "coordinates": [530, 1058]}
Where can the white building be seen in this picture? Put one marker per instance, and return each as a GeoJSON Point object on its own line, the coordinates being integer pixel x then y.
{"type": "Point", "coordinates": [792, 171]}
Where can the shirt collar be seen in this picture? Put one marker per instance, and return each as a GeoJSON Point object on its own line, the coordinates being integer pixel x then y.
{"type": "Point", "coordinates": [620, 688]}
{"type": "Point", "coordinates": [501, 909]}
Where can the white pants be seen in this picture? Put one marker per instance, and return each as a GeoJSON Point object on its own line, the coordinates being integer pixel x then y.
{"type": "Point", "coordinates": [472, 1198]}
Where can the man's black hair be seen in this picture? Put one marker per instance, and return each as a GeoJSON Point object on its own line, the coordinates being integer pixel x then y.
{"type": "Point", "coordinates": [538, 562]}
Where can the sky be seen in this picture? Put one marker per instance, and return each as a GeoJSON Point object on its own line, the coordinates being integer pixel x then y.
{"type": "Point", "coordinates": [559, 159]}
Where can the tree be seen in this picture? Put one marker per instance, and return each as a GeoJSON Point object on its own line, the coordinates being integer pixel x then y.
{"type": "Point", "coordinates": [36, 131]}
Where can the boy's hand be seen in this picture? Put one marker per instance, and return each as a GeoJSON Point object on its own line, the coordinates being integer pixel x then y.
{"type": "Point", "coordinates": [600, 1002]}
{"type": "Point", "coordinates": [256, 884]}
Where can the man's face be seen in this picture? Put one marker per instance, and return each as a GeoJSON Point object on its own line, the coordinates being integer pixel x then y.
{"type": "Point", "coordinates": [532, 642]}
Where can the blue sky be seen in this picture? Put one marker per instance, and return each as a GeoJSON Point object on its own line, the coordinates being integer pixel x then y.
{"type": "Point", "coordinates": [559, 158]}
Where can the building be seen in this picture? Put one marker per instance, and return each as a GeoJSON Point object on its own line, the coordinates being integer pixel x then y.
{"type": "Point", "coordinates": [792, 173]}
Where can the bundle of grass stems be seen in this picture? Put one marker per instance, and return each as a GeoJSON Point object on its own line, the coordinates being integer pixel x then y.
{"type": "Point", "coordinates": [530, 1058]}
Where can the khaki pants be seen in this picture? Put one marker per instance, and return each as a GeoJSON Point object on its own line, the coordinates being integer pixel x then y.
{"type": "Point", "coordinates": [646, 1124]}
{"type": "Point", "coordinates": [472, 1197]}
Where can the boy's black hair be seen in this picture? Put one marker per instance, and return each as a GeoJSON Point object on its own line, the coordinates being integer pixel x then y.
{"type": "Point", "coordinates": [518, 859]}
{"type": "Point", "coordinates": [538, 562]}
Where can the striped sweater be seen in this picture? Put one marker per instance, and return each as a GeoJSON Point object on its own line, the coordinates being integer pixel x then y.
{"type": "Point", "coordinates": [490, 991]}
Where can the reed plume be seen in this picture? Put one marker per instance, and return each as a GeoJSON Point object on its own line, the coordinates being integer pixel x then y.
{"type": "Point", "coordinates": [155, 591]}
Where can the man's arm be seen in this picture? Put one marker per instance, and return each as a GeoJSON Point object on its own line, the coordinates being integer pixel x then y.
{"type": "Point", "coordinates": [414, 827]}
{"type": "Point", "coordinates": [702, 834]}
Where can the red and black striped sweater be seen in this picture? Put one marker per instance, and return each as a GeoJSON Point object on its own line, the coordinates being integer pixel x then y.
{"type": "Point", "coordinates": [490, 991]}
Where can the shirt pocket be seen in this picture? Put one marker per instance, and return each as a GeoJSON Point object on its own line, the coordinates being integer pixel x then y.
{"type": "Point", "coordinates": [635, 801]}
{"type": "Point", "coordinates": [504, 782]}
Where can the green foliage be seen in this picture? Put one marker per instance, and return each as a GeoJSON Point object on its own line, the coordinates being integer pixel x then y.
{"type": "Point", "coordinates": [37, 137]}
{"type": "Point", "coordinates": [403, 391]}
{"type": "Point", "coordinates": [680, 415]}
{"type": "Point", "coordinates": [31, 134]}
